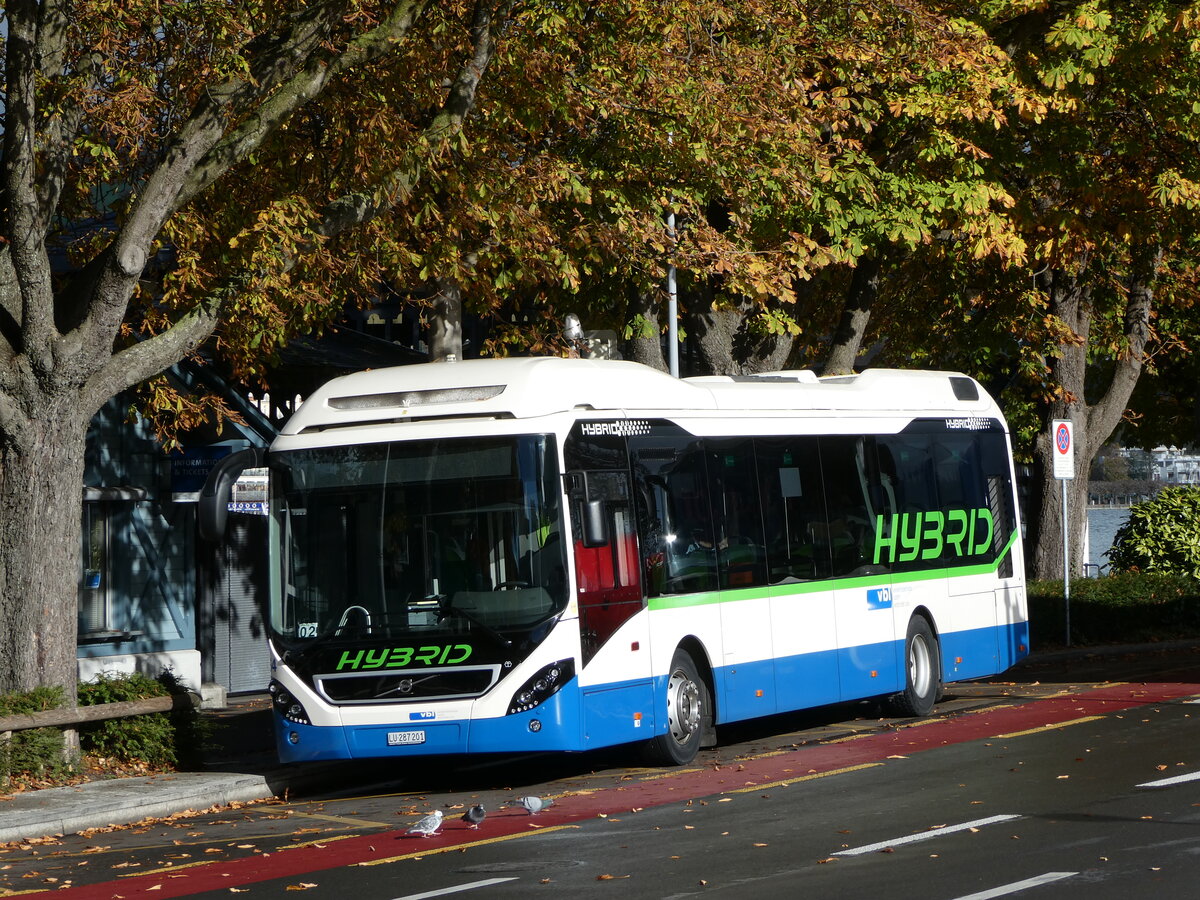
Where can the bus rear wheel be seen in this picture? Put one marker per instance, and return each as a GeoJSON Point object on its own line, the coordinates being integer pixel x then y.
{"type": "Point", "coordinates": [687, 707]}
{"type": "Point", "coordinates": [922, 671]}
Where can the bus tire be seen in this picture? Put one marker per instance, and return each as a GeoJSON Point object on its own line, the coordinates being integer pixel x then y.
{"type": "Point", "coordinates": [687, 708]}
{"type": "Point", "coordinates": [922, 671]}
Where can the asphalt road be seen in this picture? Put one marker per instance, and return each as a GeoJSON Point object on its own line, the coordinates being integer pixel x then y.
{"type": "Point", "coordinates": [1045, 783]}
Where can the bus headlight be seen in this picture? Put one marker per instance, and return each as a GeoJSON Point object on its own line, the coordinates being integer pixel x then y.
{"type": "Point", "coordinates": [287, 705]}
{"type": "Point", "coordinates": [544, 683]}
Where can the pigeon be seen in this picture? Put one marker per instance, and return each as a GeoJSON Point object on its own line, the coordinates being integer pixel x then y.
{"type": "Point", "coordinates": [474, 815]}
{"type": "Point", "coordinates": [427, 825]}
{"type": "Point", "coordinates": [532, 805]}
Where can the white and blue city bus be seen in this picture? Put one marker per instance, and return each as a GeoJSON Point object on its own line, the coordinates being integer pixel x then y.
{"type": "Point", "coordinates": [549, 554]}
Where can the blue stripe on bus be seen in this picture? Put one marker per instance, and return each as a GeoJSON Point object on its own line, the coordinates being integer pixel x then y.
{"type": "Point", "coordinates": [624, 712]}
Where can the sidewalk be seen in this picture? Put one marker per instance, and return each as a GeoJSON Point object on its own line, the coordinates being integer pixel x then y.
{"type": "Point", "coordinates": [241, 766]}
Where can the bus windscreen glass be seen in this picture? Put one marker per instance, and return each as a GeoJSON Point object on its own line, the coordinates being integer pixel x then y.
{"type": "Point", "coordinates": [415, 539]}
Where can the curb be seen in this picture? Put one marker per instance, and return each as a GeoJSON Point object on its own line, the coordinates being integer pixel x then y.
{"type": "Point", "coordinates": [122, 801]}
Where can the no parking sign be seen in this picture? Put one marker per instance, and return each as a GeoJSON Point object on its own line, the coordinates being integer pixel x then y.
{"type": "Point", "coordinates": [1063, 437]}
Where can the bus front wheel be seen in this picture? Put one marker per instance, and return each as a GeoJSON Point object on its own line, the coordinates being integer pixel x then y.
{"type": "Point", "coordinates": [687, 707]}
{"type": "Point", "coordinates": [922, 671]}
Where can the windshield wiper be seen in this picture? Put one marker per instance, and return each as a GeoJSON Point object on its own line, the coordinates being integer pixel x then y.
{"type": "Point", "coordinates": [447, 608]}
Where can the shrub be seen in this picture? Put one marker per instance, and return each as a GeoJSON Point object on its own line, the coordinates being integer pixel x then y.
{"type": "Point", "coordinates": [1120, 608]}
{"type": "Point", "coordinates": [1161, 535]}
{"type": "Point", "coordinates": [157, 740]}
{"type": "Point", "coordinates": [34, 753]}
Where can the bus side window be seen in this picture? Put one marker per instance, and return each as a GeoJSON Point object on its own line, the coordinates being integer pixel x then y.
{"type": "Point", "coordinates": [855, 500]}
{"type": "Point", "coordinates": [737, 515]}
{"type": "Point", "coordinates": [909, 473]}
{"type": "Point", "coordinates": [793, 509]}
{"type": "Point", "coordinates": [675, 525]}
{"type": "Point", "coordinates": [608, 586]}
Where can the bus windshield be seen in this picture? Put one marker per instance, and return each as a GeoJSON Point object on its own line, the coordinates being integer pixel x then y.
{"type": "Point", "coordinates": [415, 539]}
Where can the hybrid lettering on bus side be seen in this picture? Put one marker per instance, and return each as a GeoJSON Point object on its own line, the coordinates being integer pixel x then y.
{"type": "Point", "coordinates": [973, 528]}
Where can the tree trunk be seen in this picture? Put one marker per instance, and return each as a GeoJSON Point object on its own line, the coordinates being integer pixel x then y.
{"type": "Point", "coordinates": [644, 345]}
{"type": "Point", "coordinates": [856, 314]}
{"type": "Point", "coordinates": [713, 332]}
{"type": "Point", "coordinates": [445, 322]}
{"type": "Point", "coordinates": [1094, 423]}
{"type": "Point", "coordinates": [41, 506]}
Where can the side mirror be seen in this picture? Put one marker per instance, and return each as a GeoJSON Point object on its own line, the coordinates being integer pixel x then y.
{"type": "Point", "coordinates": [595, 524]}
{"type": "Point", "coordinates": [213, 508]}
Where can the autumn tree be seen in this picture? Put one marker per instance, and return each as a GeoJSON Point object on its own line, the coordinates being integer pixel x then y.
{"type": "Point", "coordinates": [133, 133]}
{"type": "Point", "coordinates": [1108, 184]}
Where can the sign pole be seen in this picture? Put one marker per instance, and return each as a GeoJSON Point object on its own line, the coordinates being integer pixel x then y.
{"type": "Point", "coordinates": [1066, 563]}
{"type": "Point", "coordinates": [1062, 440]}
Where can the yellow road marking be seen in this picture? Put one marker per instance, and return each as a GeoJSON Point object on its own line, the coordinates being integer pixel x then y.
{"type": "Point", "coordinates": [485, 841]}
{"type": "Point", "coordinates": [1056, 725]}
{"type": "Point", "coordinates": [674, 774]}
{"type": "Point", "coordinates": [318, 842]}
{"type": "Point", "coordinates": [167, 869]}
{"type": "Point", "coordinates": [987, 709]}
{"type": "Point", "coordinates": [850, 737]}
{"type": "Point", "coordinates": [346, 820]}
{"type": "Point", "coordinates": [799, 778]}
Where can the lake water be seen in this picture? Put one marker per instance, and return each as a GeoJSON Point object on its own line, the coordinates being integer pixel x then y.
{"type": "Point", "coordinates": [1102, 526]}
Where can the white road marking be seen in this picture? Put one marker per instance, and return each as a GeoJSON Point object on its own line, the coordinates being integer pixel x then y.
{"type": "Point", "coordinates": [1005, 889]}
{"type": "Point", "coordinates": [442, 892]}
{"type": "Point", "coordinates": [925, 835]}
{"type": "Point", "coordinates": [1166, 782]}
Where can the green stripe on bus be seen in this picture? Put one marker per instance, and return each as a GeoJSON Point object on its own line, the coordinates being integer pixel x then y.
{"type": "Point", "coordinates": [681, 601]}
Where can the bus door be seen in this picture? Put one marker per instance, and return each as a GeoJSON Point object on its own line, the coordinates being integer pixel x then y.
{"type": "Point", "coordinates": [616, 678]}
{"type": "Point", "coordinates": [911, 539]}
{"type": "Point", "coordinates": [798, 564]}
{"type": "Point", "coordinates": [738, 548]}
{"type": "Point", "coordinates": [858, 504]}
{"type": "Point", "coordinates": [975, 482]}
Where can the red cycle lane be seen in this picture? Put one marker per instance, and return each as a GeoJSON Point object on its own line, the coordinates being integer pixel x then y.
{"type": "Point", "coordinates": [671, 787]}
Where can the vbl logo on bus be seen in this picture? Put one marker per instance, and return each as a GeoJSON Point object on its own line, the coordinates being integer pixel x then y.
{"type": "Point", "coordinates": [879, 598]}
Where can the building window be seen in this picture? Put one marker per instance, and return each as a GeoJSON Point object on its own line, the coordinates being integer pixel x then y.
{"type": "Point", "coordinates": [95, 613]}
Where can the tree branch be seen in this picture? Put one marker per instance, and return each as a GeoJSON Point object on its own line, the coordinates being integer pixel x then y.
{"type": "Point", "coordinates": [291, 74]}
{"type": "Point", "coordinates": [352, 210]}
{"type": "Point", "coordinates": [299, 90]}
{"type": "Point", "coordinates": [147, 358]}
{"type": "Point", "coordinates": [24, 225]}
{"type": "Point", "coordinates": [1104, 416]}
{"type": "Point", "coordinates": [63, 127]}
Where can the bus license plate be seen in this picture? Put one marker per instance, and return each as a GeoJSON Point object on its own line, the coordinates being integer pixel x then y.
{"type": "Point", "coordinates": [398, 738]}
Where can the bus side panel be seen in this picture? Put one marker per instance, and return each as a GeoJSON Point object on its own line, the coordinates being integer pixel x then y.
{"type": "Point", "coordinates": [804, 636]}
{"type": "Point", "coordinates": [618, 687]}
{"type": "Point", "coordinates": [867, 657]}
{"type": "Point", "coordinates": [1013, 614]}
{"type": "Point", "coordinates": [748, 671]}
{"type": "Point", "coordinates": [970, 653]}
{"type": "Point", "coordinates": [971, 648]}
{"type": "Point", "coordinates": [619, 713]}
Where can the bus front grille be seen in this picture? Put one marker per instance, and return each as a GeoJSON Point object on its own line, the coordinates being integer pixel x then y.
{"type": "Point", "coordinates": [407, 685]}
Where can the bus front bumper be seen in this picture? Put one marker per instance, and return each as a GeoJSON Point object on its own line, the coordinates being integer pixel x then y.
{"type": "Point", "coordinates": [553, 725]}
